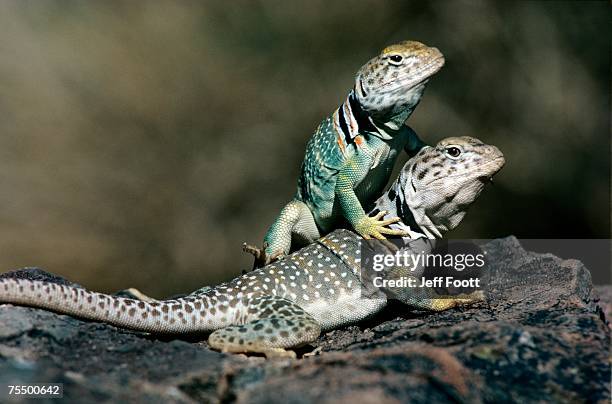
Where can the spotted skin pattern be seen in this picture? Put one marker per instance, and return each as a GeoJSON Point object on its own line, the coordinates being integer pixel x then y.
{"type": "Point", "coordinates": [351, 155]}
{"type": "Point", "coordinates": [289, 302]}
{"type": "Point", "coordinates": [285, 304]}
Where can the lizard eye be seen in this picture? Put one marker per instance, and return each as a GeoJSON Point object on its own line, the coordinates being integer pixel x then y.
{"type": "Point", "coordinates": [395, 59]}
{"type": "Point", "coordinates": [453, 152]}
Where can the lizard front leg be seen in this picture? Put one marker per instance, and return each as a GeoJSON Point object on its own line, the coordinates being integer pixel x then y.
{"type": "Point", "coordinates": [366, 226]}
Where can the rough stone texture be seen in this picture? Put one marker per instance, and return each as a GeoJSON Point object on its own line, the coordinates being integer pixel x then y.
{"type": "Point", "coordinates": [539, 337]}
{"type": "Point", "coordinates": [603, 298]}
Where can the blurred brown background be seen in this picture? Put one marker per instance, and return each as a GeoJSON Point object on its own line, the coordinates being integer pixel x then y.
{"type": "Point", "coordinates": [142, 142]}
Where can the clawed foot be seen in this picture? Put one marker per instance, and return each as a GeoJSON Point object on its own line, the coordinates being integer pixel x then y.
{"type": "Point", "coordinates": [446, 303]}
{"type": "Point", "coordinates": [138, 295]}
{"type": "Point", "coordinates": [314, 352]}
{"type": "Point", "coordinates": [279, 353]}
{"type": "Point", "coordinates": [471, 298]}
{"type": "Point", "coordinates": [261, 257]}
{"type": "Point", "coordinates": [269, 353]}
{"type": "Point", "coordinates": [369, 227]}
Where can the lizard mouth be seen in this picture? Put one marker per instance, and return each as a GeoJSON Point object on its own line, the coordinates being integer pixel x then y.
{"type": "Point", "coordinates": [485, 179]}
{"type": "Point", "coordinates": [413, 79]}
{"type": "Point", "coordinates": [483, 172]}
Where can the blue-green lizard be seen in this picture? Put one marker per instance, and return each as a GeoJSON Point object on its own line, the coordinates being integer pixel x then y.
{"type": "Point", "coordinates": [352, 153]}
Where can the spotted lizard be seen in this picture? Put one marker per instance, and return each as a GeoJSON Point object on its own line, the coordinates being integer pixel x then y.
{"type": "Point", "coordinates": [350, 157]}
{"type": "Point", "coordinates": [289, 302]}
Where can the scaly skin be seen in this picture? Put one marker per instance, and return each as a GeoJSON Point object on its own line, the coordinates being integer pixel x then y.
{"type": "Point", "coordinates": [352, 153]}
{"type": "Point", "coordinates": [438, 197]}
{"type": "Point", "coordinates": [289, 302]}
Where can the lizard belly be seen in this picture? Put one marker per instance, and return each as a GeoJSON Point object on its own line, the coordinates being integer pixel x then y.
{"type": "Point", "coordinates": [349, 307]}
{"type": "Point", "coordinates": [372, 160]}
{"type": "Point", "coordinates": [377, 160]}
{"type": "Point", "coordinates": [317, 182]}
{"type": "Point", "coordinates": [322, 280]}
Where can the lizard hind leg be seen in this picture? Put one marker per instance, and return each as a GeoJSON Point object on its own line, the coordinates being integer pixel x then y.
{"type": "Point", "coordinates": [261, 257]}
{"type": "Point", "coordinates": [278, 324]}
{"type": "Point", "coordinates": [295, 219]}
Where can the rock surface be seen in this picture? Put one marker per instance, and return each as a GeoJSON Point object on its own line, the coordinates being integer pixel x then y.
{"type": "Point", "coordinates": [539, 337]}
{"type": "Point", "coordinates": [603, 298]}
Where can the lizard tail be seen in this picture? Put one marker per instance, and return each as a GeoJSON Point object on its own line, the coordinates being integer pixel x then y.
{"type": "Point", "coordinates": [170, 316]}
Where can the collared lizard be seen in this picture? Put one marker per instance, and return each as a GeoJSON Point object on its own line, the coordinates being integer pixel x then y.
{"type": "Point", "coordinates": [289, 302]}
{"type": "Point", "coordinates": [351, 155]}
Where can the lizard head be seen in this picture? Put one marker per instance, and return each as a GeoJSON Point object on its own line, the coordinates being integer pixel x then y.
{"type": "Point", "coordinates": [441, 182]}
{"type": "Point", "coordinates": [390, 85]}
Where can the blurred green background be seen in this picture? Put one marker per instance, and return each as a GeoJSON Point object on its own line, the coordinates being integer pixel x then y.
{"type": "Point", "coordinates": [142, 142]}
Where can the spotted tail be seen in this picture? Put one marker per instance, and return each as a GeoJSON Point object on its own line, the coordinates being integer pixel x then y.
{"type": "Point", "coordinates": [171, 316]}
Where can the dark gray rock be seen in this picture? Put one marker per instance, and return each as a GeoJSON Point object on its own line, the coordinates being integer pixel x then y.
{"type": "Point", "coordinates": [603, 298]}
{"type": "Point", "coordinates": [540, 337]}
